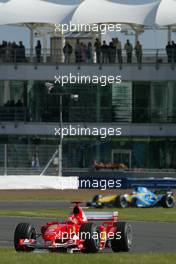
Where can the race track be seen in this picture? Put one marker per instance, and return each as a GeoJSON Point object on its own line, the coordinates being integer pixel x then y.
{"type": "Point", "coordinates": [148, 236]}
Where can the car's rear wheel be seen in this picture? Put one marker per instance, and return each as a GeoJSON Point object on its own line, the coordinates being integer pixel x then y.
{"type": "Point", "coordinates": [90, 233]}
{"type": "Point", "coordinates": [168, 201]}
{"type": "Point", "coordinates": [24, 231]}
{"type": "Point", "coordinates": [121, 202]}
{"type": "Point", "coordinates": [123, 238]}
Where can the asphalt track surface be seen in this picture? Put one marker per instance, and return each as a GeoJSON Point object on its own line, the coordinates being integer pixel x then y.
{"type": "Point", "coordinates": [148, 236]}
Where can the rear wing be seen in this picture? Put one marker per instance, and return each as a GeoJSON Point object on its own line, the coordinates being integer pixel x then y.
{"type": "Point", "coordinates": [102, 216]}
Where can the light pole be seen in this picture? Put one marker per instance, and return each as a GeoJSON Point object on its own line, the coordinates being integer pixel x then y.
{"type": "Point", "coordinates": [75, 97]}
{"type": "Point", "coordinates": [61, 137]}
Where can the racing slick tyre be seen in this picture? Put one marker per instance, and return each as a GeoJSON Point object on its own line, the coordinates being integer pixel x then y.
{"type": "Point", "coordinates": [24, 231]}
{"type": "Point", "coordinates": [90, 233]}
{"type": "Point", "coordinates": [121, 202]}
{"type": "Point", "coordinates": [168, 201]}
{"type": "Point", "coordinates": [123, 239]}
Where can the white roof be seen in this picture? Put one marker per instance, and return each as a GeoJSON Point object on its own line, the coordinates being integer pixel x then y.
{"type": "Point", "coordinates": [101, 11]}
{"type": "Point", "coordinates": [33, 11]}
{"type": "Point", "coordinates": [146, 12]}
{"type": "Point", "coordinates": [166, 14]}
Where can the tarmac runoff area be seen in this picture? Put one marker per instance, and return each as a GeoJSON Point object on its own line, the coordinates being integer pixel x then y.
{"type": "Point", "coordinates": [148, 236]}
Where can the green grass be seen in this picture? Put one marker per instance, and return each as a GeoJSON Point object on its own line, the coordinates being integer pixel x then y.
{"type": "Point", "coordinates": [133, 214]}
{"type": "Point", "coordinates": [10, 256]}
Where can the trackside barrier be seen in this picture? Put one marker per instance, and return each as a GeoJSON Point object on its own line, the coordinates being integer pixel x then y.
{"type": "Point", "coordinates": [104, 183]}
{"type": "Point", "coordinates": [36, 182]}
{"type": "Point", "coordinates": [75, 183]}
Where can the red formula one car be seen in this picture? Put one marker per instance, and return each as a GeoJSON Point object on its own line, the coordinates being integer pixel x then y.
{"type": "Point", "coordinates": [78, 233]}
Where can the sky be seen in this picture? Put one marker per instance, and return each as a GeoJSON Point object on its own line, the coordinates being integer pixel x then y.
{"type": "Point", "coordinates": [150, 39]}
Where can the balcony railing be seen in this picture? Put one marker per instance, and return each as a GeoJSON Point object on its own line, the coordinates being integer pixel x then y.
{"type": "Point", "coordinates": [56, 56]}
{"type": "Point", "coordinates": [89, 114]}
{"type": "Point", "coordinates": [13, 113]}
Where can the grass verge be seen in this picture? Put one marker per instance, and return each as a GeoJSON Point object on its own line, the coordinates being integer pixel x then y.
{"type": "Point", "coordinates": [70, 195]}
{"type": "Point", "coordinates": [133, 214]}
{"type": "Point", "coordinates": [10, 256]}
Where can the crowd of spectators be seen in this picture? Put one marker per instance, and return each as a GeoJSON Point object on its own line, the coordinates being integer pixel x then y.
{"type": "Point", "coordinates": [13, 52]}
{"type": "Point", "coordinates": [11, 103]}
{"type": "Point", "coordinates": [12, 110]}
{"type": "Point", "coordinates": [82, 52]}
{"type": "Point", "coordinates": [105, 53]}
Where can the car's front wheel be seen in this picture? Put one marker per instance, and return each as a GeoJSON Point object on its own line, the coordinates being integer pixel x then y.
{"type": "Point", "coordinates": [90, 233]}
{"type": "Point", "coordinates": [24, 231]}
{"type": "Point", "coordinates": [123, 238]}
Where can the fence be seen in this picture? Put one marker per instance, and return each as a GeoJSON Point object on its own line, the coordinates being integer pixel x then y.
{"type": "Point", "coordinates": [89, 114]}
{"type": "Point", "coordinates": [48, 56]}
{"type": "Point", "coordinates": [26, 159]}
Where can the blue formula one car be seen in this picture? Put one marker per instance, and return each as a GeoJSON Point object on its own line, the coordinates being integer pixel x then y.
{"type": "Point", "coordinates": [140, 197]}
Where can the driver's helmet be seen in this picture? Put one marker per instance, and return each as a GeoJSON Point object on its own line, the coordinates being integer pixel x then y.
{"type": "Point", "coordinates": [78, 215]}
{"type": "Point", "coordinates": [76, 210]}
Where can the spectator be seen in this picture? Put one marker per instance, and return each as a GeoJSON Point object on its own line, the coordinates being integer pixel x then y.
{"type": "Point", "coordinates": [138, 51]}
{"type": "Point", "coordinates": [97, 46]}
{"type": "Point", "coordinates": [129, 49]}
{"type": "Point", "coordinates": [112, 53]}
{"type": "Point", "coordinates": [118, 46]}
{"type": "Point", "coordinates": [104, 52]}
{"type": "Point", "coordinates": [173, 51]}
{"type": "Point", "coordinates": [169, 52]}
{"type": "Point", "coordinates": [67, 52]}
{"type": "Point", "coordinates": [84, 52]}
{"type": "Point", "coordinates": [21, 52]}
{"type": "Point", "coordinates": [89, 53]}
{"type": "Point", "coordinates": [9, 54]}
{"type": "Point", "coordinates": [78, 54]}
{"type": "Point", "coordinates": [38, 49]}
{"type": "Point", "coordinates": [19, 103]}
{"type": "Point", "coordinates": [3, 48]}
{"type": "Point", "coordinates": [13, 52]}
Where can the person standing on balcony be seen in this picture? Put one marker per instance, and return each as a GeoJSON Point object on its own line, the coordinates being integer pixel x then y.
{"type": "Point", "coordinates": [129, 49]}
{"type": "Point", "coordinates": [173, 51]}
{"type": "Point", "coordinates": [118, 46]}
{"type": "Point", "coordinates": [78, 52]}
{"type": "Point", "coordinates": [169, 52]}
{"type": "Point", "coordinates": [84, 52]}
{"type": "Point", "coordinates": [104, 52]}
{"type": "Point", "coordinates": [97, 46]}
{"type": "Point", "coordinates": [67, 52]}
{"type": "Point", "coordinates": [138, 51]}
{"type": "Point", "coordinates": [21, 52]}
{"type": "Point", "coordinates": [111, 53]}
{"type": "Point", "coordinates": [14, 52]}
{"type": "Point", "coordinates": [38, 49]}
{"type": "Point", "coordinates": [89, 53]}
{"type": "Point", "coordinates": [3, 48]}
